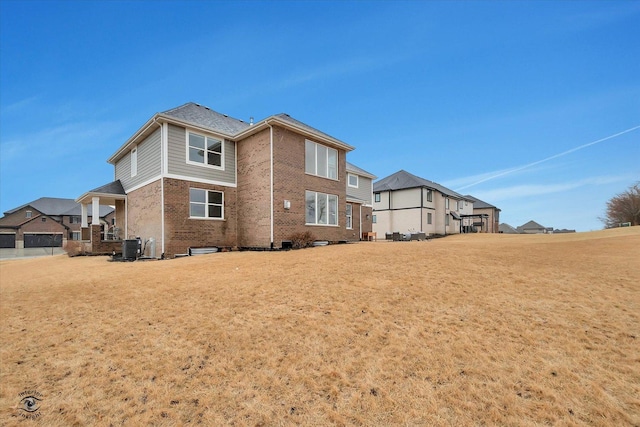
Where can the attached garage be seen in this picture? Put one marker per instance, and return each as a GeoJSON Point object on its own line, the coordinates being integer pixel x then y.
{"type": "Point", "coordinates": [42, 240]}
{"type": "Point", "coordinates": [8, 240]}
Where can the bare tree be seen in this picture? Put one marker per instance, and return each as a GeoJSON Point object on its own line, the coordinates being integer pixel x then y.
{"type": "Point", "coordinates": [623, 208]}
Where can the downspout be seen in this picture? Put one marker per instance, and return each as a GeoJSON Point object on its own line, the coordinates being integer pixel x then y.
{"type": "Point", "coordinates": [163, 140]}
{"type": "Point", "coordinates": [271, 182]}
{"type": "Point", "coordinates": [421, 207]}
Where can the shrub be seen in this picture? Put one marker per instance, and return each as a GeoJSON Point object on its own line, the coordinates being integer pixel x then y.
{"type": "Point", "coordinates": [302, 240]}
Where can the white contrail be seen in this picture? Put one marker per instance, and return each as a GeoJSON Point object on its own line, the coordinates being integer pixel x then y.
{"type": "Point", "coordinates": [555, 156]}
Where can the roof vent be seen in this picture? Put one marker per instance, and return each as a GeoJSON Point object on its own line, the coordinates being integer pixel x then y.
{"type": "Point", "coordinates": [251, 121]}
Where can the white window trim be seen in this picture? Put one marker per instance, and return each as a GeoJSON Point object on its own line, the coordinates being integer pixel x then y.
{"type": "Point", "coordinates": [377, 198]}
{"type": "Point", "coordinates": [205, 165]}
{"type": "Point", "coordinates": [206, 203]}
{"type": "Point", "coordinates": [316, 162]}
{"type": "Point", "coordinates": [134, 161]}
{"type": "Point", "coordinates": [349, 223]}
{"type": "Point", "coordinates": [337, 224]}
{"type": "Point", "coordinates": [349, 175]}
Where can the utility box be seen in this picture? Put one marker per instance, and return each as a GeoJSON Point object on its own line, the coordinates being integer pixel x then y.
{"type": "Point", "coordinates": [130, 249]}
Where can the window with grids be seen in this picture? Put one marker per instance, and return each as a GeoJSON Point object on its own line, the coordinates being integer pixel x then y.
{"type": "Point", "coordinates": [204, 150]}
{"type": "Point", "coordinates": [321, 209]}
{"type": "Point", "coordinates": [206, 204]}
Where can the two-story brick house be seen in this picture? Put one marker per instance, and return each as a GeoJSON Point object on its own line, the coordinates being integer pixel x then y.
{"type": "Point", "coordinates": [46, 222]}
{"type": "Point", "coordinates": [192, 177]}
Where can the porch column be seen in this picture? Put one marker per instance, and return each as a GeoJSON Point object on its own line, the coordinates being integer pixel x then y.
{"type": "Point", "coordinates": [84, 213]}
{"type": "Point", "coordinates": [95, 211]}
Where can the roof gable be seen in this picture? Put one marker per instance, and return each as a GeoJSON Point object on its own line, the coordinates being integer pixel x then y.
{"type": "Point", "coordinates": [359, 171]}
{"type": "Point", "coordinates": [530, 225]}
{"type": "Point", "coordinates": [403, 180]}
{"type": "Point", "coordinates": [479, 204]}
{"type": "Point", "coordinates": [47, 205]}
{"type": "Point", "coordinates": [206, 117]}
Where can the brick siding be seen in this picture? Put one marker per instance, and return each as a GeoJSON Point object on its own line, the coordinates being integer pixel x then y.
{"type": "Point", "coordinates": [182, 232]}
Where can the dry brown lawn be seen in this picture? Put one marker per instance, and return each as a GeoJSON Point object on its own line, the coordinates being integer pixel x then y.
{"type": "Point", "coordinates": [467, 330]}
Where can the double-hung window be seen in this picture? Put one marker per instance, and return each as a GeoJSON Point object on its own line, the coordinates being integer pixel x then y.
{"type": "Point", "coordinates": [352, 180]}
{"type": "Point", "coordinates": [204, 150]}
{"type": "Point", "coordinates": [321, 208]}
{"type": "Point", "coordinates": [429, 195]}
{"type": "Point", "coordinates": [349, 216]}
{"type": "Point", "coordinates": [206, 204]}
{"type": "Point", "coordinates": [321, 160]}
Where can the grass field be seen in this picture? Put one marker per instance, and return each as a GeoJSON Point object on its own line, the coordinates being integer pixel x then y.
{"type": "Point", "coordinates": [466, 330]}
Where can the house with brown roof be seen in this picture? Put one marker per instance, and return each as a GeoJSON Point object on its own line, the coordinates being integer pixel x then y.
{"type": "Point", "coordinates": [487, 216]}
{"type": "Point", "coordinates": [192, 177]}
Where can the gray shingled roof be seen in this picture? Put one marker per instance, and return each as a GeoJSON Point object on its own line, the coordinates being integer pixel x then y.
{"type": "Point", "coordinates": [47, 205]}
{"type": "Point", "coordinates": [359, 171]}
{"type": "Point", "coordinates": [530, 225]}
{"type": "Point", "coordinates": [479, 204]}
{"type": "Point", "coordinates": [287, 118]}
{"type": "Point", "coordinates": [54, 206]}
{"type": "Point", "coordinates": [114, 187]}
{"type": "Point", "coordinates": [507, 229]}
{"type": "Point", "coordinates": [402, 180]}
{"type": "Point", "coordinates": [204, 116]}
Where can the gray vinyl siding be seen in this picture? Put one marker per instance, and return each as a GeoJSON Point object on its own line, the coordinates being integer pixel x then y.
{"type": "Point", "coordinates": [363, 191]}
{"type": "Point", "coordinates": [178, 165]}
{"type": "Point", "coordinates": [149, 162]}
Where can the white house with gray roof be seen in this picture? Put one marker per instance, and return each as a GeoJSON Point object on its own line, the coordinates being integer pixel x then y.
{"type": "Point", "coordinates": [406, 203]}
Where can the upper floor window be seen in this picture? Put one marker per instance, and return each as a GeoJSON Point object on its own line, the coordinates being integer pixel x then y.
{"type": "Point", "coordinates": [134, 161]}
{"type": "Point", "coordinates": [28, 214]}
{"type": "Point", "coordinates": [446, 203]}
{"type": "Point", "coordinates": [352, 180]}
{"type": "Point", "coordinates": [429, 195]}
{"type": "Point", "coordinates": [74, 219]}
{"type": "Point", "coordinates": [376, 197]}
{"type": "Point", "coordinates": [206, 204]}
{"type": "Point", "coordinates": [321, 160]}
{"type": "Point", "coordinates": [204, 150]}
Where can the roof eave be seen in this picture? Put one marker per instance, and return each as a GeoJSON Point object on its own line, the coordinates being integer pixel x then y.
{"type": "Point", "coordinates": [307, 132]}
{"type": "Point", "coordinates": [160, 118]}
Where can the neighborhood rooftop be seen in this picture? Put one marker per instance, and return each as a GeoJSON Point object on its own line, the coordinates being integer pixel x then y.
{"type": "Point", "coordinates": [403, 179]}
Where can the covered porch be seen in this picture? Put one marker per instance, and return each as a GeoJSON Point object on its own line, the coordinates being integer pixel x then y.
{"type": "Point", "coordinates": [97, 238]}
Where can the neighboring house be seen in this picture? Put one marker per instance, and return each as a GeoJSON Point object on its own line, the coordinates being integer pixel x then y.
{"type": "Point", "coordinates": [406, 203]}
{"type": "Point", "coordinates": [533, 227]}
{"type": "Point", "coordinates": [507, 229]}
{"type": "Point", "coordinates": [192, 177]}
{"type": "Point", "coordinates": [487, 218]}
{"type": "Point", "coordinates": [45, 222]}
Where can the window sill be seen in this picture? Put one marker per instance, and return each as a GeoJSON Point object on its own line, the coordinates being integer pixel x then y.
{"type": "Point", "coordinates": [206, 219]}
{"type": "Point", "coordinates": [322, 225]}
{"type": "Point", "coordinates": [208, 166]}
{"type": "Point", "coordinates": [323, 177]}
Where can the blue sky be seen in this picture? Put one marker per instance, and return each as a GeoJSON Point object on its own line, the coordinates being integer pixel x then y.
{"type": "Point", "coordinates": [501, 100]}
